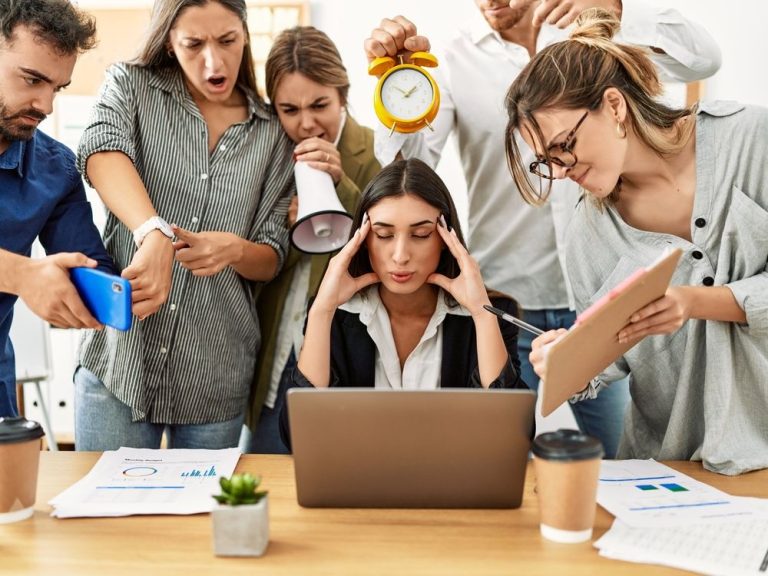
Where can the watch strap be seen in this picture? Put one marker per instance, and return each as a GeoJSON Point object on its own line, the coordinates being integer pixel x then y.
{"type": "Point", "coordinates": [153, 223]}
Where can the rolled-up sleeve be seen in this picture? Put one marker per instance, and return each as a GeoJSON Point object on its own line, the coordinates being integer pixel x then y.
{"type": "Point", "coordinates": [690, 52]}
{"type": "Point", "coordinates": [111, 126]}
{"type": "Point", "coordinates": [752, 295]}
{"type": "Point", "coordinates": [271, 226]}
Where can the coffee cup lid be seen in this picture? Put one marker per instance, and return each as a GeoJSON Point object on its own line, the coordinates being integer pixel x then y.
{"type": "Point", "coordinates": [567, 445]}
{"type": "Point", "coordinates": [19, 429]}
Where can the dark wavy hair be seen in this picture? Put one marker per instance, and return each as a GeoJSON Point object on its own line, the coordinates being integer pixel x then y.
{"type": "Point", "coordinates": [57, 23]}
{"type": "Point", "coordinates": [408, 177]}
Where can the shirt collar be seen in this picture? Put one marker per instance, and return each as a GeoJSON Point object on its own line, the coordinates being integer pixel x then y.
{"type": "Point", "coordinates": [172, 80]}
{"type": "Point", "coordinates": [342, 123]}
{"type": "Point", "coordinates": [479, 30]}
{"type": "Point", "coordinates": [13, 157]}
{"type": "Point", "coordinates": [366, 302]}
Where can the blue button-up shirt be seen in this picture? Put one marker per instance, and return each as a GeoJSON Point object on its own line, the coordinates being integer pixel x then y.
{"type": "Point", "coordinates": [41, 194]}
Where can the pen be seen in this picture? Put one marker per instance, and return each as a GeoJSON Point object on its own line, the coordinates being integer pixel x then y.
{"type": "Point", "coordinates": [516, 321]}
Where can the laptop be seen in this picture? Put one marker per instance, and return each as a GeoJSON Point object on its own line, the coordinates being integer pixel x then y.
{"type": "Point", "coordinates": [368, 448]}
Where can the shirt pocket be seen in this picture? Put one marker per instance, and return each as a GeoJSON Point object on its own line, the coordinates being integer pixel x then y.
{"type": "Point", "coordinates": [744, 244]}
{"type": "Point", "coordinates": [624, 267]}
{"type": "Point", "coordinates": [651, 349]}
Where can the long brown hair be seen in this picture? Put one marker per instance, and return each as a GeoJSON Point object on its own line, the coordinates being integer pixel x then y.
{"type": "Point", "coordinates": [309, 51]}
{"type": "Point", "coordinates": [153, 52]}
{"type": "Point", "coordinates": [574, 74]}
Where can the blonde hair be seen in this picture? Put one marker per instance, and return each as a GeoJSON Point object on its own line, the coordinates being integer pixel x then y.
{"type": "Point", "coordinates": [309, 51]}
{"type": "Point", "coordinates": [574, 74]}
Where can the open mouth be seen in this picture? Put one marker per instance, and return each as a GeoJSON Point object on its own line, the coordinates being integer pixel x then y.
{"type": "Point", "coordinates": [217, 82]}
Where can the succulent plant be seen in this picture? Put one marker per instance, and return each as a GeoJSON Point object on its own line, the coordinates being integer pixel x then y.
{"type": "Point", "coordinates": [240, 489]}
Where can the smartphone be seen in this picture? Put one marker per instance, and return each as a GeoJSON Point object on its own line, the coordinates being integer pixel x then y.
{"type": "Point", "coordinates": [107, 297]}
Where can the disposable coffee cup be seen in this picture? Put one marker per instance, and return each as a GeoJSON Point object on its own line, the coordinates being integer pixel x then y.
{"type": "Point", "coordinates": [19, 462]}
{"type": "Point", "coordinates": [567, 465]}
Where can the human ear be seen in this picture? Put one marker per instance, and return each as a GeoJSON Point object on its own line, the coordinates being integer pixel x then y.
{"type": "Point", "coordinates": [615, 102]}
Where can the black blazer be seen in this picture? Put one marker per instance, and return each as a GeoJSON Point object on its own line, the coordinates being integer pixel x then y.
{"type": "Point", "coordinates": [353, 355]}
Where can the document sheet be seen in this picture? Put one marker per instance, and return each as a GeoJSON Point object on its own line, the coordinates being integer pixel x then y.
{"type": "Point", "coordinates": [142, 481]}
{"type": "Point", "coordinates": [668, 518]}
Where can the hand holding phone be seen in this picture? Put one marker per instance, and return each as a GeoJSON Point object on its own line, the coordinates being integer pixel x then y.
{"type": "Point", "coordinates": [107, 297]}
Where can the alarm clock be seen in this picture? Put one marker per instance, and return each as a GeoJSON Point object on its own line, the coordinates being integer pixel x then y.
{"type": "Point", "coordinates": [407, 97]}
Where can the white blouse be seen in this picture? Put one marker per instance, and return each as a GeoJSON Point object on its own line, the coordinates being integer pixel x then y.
{"type": "Point", "coordinates": [422, 367]}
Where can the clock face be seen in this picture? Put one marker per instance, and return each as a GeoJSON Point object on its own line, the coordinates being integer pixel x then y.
{"type": "Point", "coordinates": [407, 94]}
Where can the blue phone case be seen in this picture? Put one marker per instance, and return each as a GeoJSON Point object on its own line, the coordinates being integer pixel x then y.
{"type": "Point", "coordinates": [107, 297]}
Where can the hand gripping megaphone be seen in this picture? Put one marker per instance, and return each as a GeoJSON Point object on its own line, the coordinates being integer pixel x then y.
{"type": "Point", "coordinates": [322, 224]}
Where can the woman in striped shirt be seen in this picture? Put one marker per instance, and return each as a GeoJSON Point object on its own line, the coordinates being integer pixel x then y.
{"type": "Point", "coordinates": [180, 135]}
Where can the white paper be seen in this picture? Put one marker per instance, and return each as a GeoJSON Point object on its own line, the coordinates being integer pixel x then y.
{"type": "Point", "coordinates": [143, 481]}
{"type": "Point", "coordinates": [740, 548]}
{"type": "Point", "coordinates": [647, 493]}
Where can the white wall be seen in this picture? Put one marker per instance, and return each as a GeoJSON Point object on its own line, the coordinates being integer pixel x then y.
{"type": "Point", "coordinates": [739, 28]}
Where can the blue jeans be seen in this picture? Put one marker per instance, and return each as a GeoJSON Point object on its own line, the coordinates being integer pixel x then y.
{"type": "Point", "coordinates": [602, 417]}
{"type": "Point", "coordinates": [266, 438]}
{"type": "Point", "coordinates": [102, 422]}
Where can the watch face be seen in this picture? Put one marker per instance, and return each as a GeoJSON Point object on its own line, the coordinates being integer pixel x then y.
{"type": "Point", "coordinates": [407, 94]}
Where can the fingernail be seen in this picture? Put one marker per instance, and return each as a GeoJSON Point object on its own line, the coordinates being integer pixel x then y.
{"type": "Point", "coordinates": [442, 221]}
{"type": "Point", "coordinates": [365, 219]}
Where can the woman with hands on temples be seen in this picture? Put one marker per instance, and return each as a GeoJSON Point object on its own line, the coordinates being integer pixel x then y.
{"type": "Point", "coordinates": [401, 306]}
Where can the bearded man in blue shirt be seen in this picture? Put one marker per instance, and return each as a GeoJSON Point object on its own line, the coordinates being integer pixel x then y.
{"type": "Point", "coordinates": [41, 192]}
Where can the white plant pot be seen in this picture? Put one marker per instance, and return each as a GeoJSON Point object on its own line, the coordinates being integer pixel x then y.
{"type": "Point", "coordinates": [241, 530]}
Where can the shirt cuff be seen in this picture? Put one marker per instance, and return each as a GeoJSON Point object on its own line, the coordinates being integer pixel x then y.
{"type": "Point", "coordinates": [752, 296]}
{"type": "Point", "coordinates": [386, 145]}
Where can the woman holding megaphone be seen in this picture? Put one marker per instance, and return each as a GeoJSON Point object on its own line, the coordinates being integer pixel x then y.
{"type": "Point", "coordinates": [307, 85]}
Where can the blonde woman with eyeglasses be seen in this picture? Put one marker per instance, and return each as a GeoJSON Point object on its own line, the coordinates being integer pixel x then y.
{"type": "Point", "coordinates": [658, 177]}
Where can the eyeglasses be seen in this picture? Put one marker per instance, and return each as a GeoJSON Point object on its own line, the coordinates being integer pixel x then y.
{"type": "Point", "coordinates": [559, 154]}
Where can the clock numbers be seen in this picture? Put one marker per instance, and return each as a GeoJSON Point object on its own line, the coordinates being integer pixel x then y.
{"type": "Point", "coordinates": [407, 94]}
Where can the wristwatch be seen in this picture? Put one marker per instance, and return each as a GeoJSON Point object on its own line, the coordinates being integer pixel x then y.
{"type": "Point", "coordinates": [154, 223]}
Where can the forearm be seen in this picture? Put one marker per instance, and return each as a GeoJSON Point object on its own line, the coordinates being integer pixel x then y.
{"type": "Point", "coordinates": [254, 261]}
{"type": "Point", "coordinates": [315, 357]}
{"type": "Point", "coordinates": [491, 353]}
{"type": "Point", "coordinates": [120, 187]}
{"type": "Point", "coordinates": [714, 303]}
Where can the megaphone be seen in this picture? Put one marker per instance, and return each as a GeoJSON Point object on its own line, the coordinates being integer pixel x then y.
{"type": "Point", "coordinates": [322, 224]}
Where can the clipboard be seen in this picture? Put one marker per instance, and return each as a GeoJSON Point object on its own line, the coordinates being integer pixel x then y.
{"type": "Point", "coordinates": [591, 345]}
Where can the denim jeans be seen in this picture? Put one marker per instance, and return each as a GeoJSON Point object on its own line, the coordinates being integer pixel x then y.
{"type": "Point", "coordinates": [102, 422]}
{"type": "Point", "coordinates": [266, 438]}
{"type": "Point", "coordinates": [602, 417]}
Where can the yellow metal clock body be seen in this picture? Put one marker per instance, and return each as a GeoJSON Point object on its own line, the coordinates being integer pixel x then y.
{"type": "Point", "coordinates": [407, 97]}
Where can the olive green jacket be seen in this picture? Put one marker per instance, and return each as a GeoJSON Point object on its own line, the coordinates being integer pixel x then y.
{"type": "Point", "coordinates": [360, 166]}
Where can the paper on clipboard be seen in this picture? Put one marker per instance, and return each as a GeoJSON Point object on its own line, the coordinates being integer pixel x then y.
{"type": "Point", "coordinates": [591, 345]}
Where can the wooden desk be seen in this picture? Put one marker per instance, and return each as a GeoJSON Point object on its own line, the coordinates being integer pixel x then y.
{"type": "Point", "coordinates": [311, 541]}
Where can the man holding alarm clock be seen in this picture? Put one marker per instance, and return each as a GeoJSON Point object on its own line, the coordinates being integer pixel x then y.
{"type": "Point", "coordinates": [520, 248]}
{"type": "Point", "coordinates": [42, 193]}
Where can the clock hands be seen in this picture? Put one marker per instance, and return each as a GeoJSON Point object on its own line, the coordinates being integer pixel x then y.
{"type": "Point", "coordinates": [406, 93]}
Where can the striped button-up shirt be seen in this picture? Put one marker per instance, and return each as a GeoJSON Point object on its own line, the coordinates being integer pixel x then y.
{"type": "Point", "coordinates": [193, 361]}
